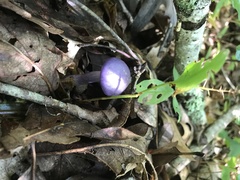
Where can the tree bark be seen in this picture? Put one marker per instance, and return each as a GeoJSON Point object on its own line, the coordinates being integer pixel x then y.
{"type": "Point", "coordinates": [192, 15]}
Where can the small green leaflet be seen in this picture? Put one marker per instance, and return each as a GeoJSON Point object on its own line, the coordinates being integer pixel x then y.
{"type": "Point", "coordinates": [232, 144]}
{"type": "Point", "coordinates": [236, 5]}
{"type": "Point", "coordinates": [196, 72]}
{"type": "Point", "coordinates": [176, 108]}
{"type": "Point", "coordinates": [238, 52]}
{"type": "Point", "coordinates": [153, 91]}
{"type": "Point", "coordinates": [175, 73]}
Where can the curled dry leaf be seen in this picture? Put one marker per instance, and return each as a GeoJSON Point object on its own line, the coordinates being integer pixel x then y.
{"type": "Point", "coordinates": [112, 133]}
{"type": "Point", "coordinates": [165, 135]}
{"type": "Point", "coordinates": [181, 145]}
{"type": "Point", "coordinates": [165, 154]}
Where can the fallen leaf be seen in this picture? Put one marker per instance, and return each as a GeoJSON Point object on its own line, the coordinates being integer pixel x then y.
{"type": "Point", "coordinates": [27, 55]}
{"type": "Point", "coordinates": [164, 154]}
{"type": "Point", "coordinates": [112, 133]}
{"type": "Point", "coordinates": [68, 21]}
{"type": "Point", "coordinates": [15, 138]}
{"type": "Point", "coordinates": [65, 133]}
{"type": "Point", "coordinates": [126, 159]}
{"type": "Point", "coordinates": [147, 113]}
{"type": "Point", "coordinates": [181, 145]}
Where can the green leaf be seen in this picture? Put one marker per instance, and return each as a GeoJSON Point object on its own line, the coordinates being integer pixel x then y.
{"type": "Point", "coordinates": [232, 162]}
{"type": "Point", "coordinates": [176, 108]}
{"type": "Point", "coordinates": [234, 149]}
{"type": "Point", "coordinates": [219, 5]}
{"type": "Point", "coordinates": [226, 173]}
{"type": "Point", "coordinates": [222, 32]}
{"type": "Point", "coordinates": [238, 52]}
{"type": "Point", "coordinates": [196, 72]}
{"type": "Point", "coordinates": [237, 121]}
{"type": "Point", "coordinates": [236, 5]}
{"type": "Point", "coordinates": [232, 144]}
{"type": "Point", "coordinates": [147, 84]}
{"type": "Point", "coordinates": [175, 73]}
{"type": "Point", "coordinates": [153, 91]}
{"type": "Point", "coordinates": [224, 134]}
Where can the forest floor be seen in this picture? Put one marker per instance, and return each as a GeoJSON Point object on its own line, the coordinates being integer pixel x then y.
{"type": "Point", "coordinates": [53, 127]}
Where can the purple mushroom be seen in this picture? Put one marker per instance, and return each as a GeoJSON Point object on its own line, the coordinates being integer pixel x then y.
{"type": "Point", "coordinates": [114, 77]}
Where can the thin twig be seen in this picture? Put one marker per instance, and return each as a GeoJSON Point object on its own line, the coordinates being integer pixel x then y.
{"type": "Point", "coordinates": [77, 6]}
{"type": "Point", "coordinates": [33, 160]}
{"type": "Point", "coordinates": [228, 79]}
{"type": "Point", "coordinates": [125, 10]}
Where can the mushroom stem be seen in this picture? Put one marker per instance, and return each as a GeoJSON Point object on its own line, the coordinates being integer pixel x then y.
{"type": "Point", "coordinates": [91, 77]}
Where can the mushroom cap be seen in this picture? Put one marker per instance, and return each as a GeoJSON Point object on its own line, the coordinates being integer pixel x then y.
{"type": "Point", "coordinates": [115, 77]}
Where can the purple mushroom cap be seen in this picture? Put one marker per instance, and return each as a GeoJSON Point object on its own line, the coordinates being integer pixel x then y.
{"type": "Point", "coordinates": [115, 77]}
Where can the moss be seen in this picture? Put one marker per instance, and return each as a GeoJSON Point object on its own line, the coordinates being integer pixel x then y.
{"type": "Point", "coordinates": [186, 6]}
{"type": "Point", "coordinates": [194, 105]}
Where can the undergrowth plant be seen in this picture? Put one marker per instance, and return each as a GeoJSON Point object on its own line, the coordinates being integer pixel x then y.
{"type": "Point", "coordinates": [154, 91]}
{"type": "Point", "coordinates": [231, 169]}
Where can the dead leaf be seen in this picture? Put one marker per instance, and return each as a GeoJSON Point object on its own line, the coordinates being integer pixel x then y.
{"type": "Point", "coordinates": [147, 113]}
{"type": "Point", "coordinates": [164, 154]}
{"type": "Point", "coordinates": [39, 118]}
{"type": "Point", "coordinates": [140, 128]}
{"type": "Point", "coordinates": [165, 135]}
{"type": "Point", "coordinates": [112, 133]}
{"type": "Point", "coordinates": [65, 133]}
{"type": "Point", "coordinates": [65, 21]}
{"type": "Point", "coordinates": [126, 159]}
{"type": "Point", "coordinates": [27, 55]}
{"type": "Point", "coordinates": [15, 138]}
{"type": "Point", "coordinates": [111, 9]}
{"type": "Point", "coordinates": [181, 146]}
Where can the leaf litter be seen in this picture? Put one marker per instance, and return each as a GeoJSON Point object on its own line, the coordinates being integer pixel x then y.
{"type": "Point", "coordinates": [32, 59]}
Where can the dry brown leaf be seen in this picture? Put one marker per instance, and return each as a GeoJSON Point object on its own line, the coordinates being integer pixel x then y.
{"type": "Point", "coordinates": [15, 138]}
{"type": "Point", "coordinates": [126, 159]}
{"type": "Point", "coordinates": [147, 113]}
{"type": "Point", "coordinates": [181, 146]}
{"type": "Point", "coordinates": [39, 118]}
{"type": "Point", "coordinates": [164, 154]}
{"type": "Point", "coordinates": [27, 55]}
{"type": "Point", "coordinates": [65, 133]}
{"type": "Point", "coordinates": [112, 133]}
{"type": "Point", "coordinates": [140, 128]}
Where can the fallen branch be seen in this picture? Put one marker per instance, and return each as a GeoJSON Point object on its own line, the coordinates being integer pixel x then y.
{"type": "Point", "coordinates": [102, 118]}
